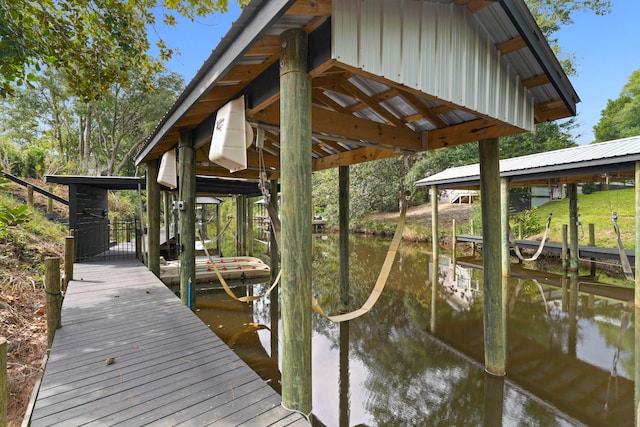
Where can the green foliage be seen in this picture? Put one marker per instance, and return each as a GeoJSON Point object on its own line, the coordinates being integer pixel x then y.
{"type": "Point", "coordinates": [97, 44]}
{"type": "Point", "coordinates": [530, 221]}
{"type": "Point", "coordinates": [621, 116]}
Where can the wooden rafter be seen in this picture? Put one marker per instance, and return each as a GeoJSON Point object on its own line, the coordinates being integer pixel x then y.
{"type": "Point", "coordinates": [511, 45]}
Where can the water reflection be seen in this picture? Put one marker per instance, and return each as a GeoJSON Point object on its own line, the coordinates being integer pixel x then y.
{"type": "Point", "coordinates": [569, 359]}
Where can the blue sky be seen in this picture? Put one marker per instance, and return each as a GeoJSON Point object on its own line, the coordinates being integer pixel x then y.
{"type": "Point", "coordinates": [606, 48]}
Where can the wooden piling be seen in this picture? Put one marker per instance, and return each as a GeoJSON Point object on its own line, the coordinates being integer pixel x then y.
{"type": "Point", "coordinates": [573, 227]}
{"type": "Point", "coordinates": [592, 242]}
{"type": "Point", "coordinates": [493, 401]}
{"type": "Point", "coordinates": [494, 327]}
{"type": "Point", "coordinates": [153, 217]}
{"type": "Point", "coordinates": [69, 259]}
{"type": "Point", "coordinates": [30, 195]}
{"type": "Point", "coordinates": [187, 218]}
{"type": "Point", "coordinates": [454, 243]}
{"type": "Point", "coordinates": [565, 247]}
{"type": "Point", "coordinates": [53, 296]}
{"type": "Point", "coordinates": [504, 226]}
{"type": "Point", "coordinates": [50, 200]}
{"type": "Point", "coordinates": [295, 162]}
{"type": "Point", "coordinates": [343, 220]}
{"type": "Point", "coordinates": [249, 238]}
{"type": "Point", "coordinates": [4, 393]}
{"type": "Point", "coordinates": [472, 231]}
{"type": "Point", "coordinates": [435, 254]}
{"type": "Point", "coordinates": [167, 218]}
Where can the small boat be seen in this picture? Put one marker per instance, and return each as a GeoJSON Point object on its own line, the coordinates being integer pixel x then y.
{"type": "Point", "coordinates": [229, 268]}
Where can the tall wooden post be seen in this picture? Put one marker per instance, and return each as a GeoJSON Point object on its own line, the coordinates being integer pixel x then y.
{"type": "Point", "coordinates": [295, 128]}
{"type": "Point", "coordinates": [504, 222]}
{"type": "Point", "coordinates": [573, 228]}
{"type": "Point", "coordinates": [167, 219]}
{"type": "Point", "coordinates": [249, 236]}
{"type": "Point", "coordinates": [153, 217]}
{"type": "Point", "coordinates": [69, 259]}
{"type": "Point", "coordinates": [435, 254]}
{"type": "Point", "coordinates": [30, 195]}
{"type": "Point", "coordinates": [637, 297]}
{"type": "Point", "coordinates": [218, 237]}
{"type": "Point", "coordinates": [494, 328]}
{"type": "Point", "coordinates": [241, 244]}
{"type": "Point", "coordinates": [50, 200]}
{"type": "Point", "coordinates": [187, 218]}
{"type": "Point", "coordinates": [53, 296]}
{"type": "Point", "coordinates": [343, 220]}
{"type": "Point", "coordinates": [565, 247]}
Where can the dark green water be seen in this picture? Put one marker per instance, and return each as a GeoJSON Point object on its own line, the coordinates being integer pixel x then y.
{"type": "Point", "coordinates": [570, 352]}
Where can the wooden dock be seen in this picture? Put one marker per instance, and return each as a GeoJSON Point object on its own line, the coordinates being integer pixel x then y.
{"type": "Point", "coordinates": [129, 353]}
{"type": "Point", "coordinates": [584, 251]}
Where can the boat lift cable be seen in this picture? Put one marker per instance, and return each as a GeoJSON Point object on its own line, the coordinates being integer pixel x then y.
{"type": "Point", "coordinates": [540, 247]}
{"type": "Point", "coordinates": [624, 260]}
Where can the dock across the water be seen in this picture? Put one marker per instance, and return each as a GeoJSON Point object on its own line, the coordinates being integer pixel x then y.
{"type": "Point", "coordinates": [584, 251]}
{"type": "Point", "coordinates": [129, 353]}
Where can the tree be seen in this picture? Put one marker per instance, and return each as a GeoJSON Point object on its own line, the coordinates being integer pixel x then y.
{"type": "Point", "coordinates": [97, 43]}
{"type": "Point", "coordinates": [621, 116]}
{"type": "Point", "coordinates": [96, 136]}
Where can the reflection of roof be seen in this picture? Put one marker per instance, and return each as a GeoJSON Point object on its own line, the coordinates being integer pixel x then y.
{"type": "Point", "coordinates": [588, 163]}
{"type": "Point", "coordinates": [385, 79]}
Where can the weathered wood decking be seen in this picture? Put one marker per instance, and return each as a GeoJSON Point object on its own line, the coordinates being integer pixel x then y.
{"type": "Point", "coordinates": [169, 368]}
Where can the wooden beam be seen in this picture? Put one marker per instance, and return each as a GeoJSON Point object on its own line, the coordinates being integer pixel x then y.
{"type": "Point", "coordinates": [187, 218]}
{"type": "Point", "coordinates": [511, 45]}
{"type": "Point", "coordinates": [352, 157]}
{"type": "Point", "coordinates": [310, 8]}
{"type": "Point", "coordinates": [371, 103]}
{"type": "Point", "coordinates": [474, 130]}
{"type": "Point", "coordinates": [354, 128]}
{"type": "Point", "coordinates": [535, 81]}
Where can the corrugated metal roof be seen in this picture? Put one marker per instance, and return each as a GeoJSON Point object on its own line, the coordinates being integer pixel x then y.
{"type": "Point", "coordinates": [610, 155]}
{"type": "Point", "coordinates": [359, 108]}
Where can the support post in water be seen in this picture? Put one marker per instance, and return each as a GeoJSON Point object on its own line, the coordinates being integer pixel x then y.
{"type": "Point", "coordinates": [296, 213]}
{"type": "Point", "coordinates": [573, 227]}
{"type": "Point", "coordinates": [69, 259]}
{"type": "Point", "coordinates": [53, 296]}
{"type": "Point", "coordinates": [4, 393]}
{"type": "Point", "coordinates": [153, 217]}
{"type": "Point", "coordinates": [504, 222]}
{"type": "Point", "coordinates": [565, 247]}
{"type": "Point", "coordinates": [187, 216]}
{"type": "Point", "coordinates": [343, 220]}
{"type": "Point", "coordinates": [494, 327]}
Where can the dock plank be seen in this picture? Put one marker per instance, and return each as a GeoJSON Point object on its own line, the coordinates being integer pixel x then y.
{"type": "Point", "coordinates": [169, 367]}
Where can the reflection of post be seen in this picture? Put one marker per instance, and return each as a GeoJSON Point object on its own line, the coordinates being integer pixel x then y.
{"type": "Point", "coordinates": [343, 219]}
{"type": "Point", "coordinates": [573, 316]}
{"type": "Point", "coordinates": [565, 292]}
{"type": "Point", "coordinates": [494, 328]}
{"type": "Point", "coordinates": [637, 297]}
{"type": "Point", "coordinates": [344, 374]}
{"type": "Point", "coordinates": [493, 400]}
{"type": "Point", "coordinates": [435, 249]}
